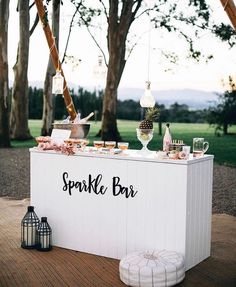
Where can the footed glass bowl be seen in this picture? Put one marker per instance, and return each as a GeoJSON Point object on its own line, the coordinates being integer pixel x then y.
{"type": "Point", "coordinates": [145, 136]}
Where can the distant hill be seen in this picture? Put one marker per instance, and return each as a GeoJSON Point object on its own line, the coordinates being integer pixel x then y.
{"type": "Point", "coordinates": [195, 99]}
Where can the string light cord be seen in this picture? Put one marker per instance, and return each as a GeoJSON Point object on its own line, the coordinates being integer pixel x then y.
{"type": "Point", "coordinates": [149, 50]}
{"type": "Point", "coordinates": [226, 3]}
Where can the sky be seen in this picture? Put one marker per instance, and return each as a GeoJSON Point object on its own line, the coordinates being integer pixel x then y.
{"type": "Point", "coordinates": [163, 75]}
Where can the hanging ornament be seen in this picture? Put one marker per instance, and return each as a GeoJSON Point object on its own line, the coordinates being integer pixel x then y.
{"type": "Point", "coordinates": [100, 69]}
{"type": "Point", "coordinates": [147, 100]}
{"type": "Point", "coordinates": [58, 83]}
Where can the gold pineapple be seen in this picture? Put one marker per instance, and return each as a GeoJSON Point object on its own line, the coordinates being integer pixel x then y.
{"type": "Point", "coordinates": [150, 116]}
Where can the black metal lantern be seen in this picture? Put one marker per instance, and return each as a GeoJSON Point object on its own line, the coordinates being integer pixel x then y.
{"type": "Point", "coordinates": [29, 226]}
{"type": "Point", "coordinates": [44, 235]}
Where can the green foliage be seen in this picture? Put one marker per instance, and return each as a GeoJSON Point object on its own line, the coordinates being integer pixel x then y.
{"type": "Point", "coordinates": [152, 114]}
{"type": "Point", "coordinates": [180, 113]}
{"type": "Point", "coordinates": [224, 114]}
{"type": "Point", "coordinates": [35, 103]}
{"type": "Point", "coordinates": [86, 102]}
{"type": "Point", "coordinates": [193, 13]}
{"type": "Point", "coordinates": [164, 15]}
{"type": "Point", "coordinates": [89, 102]}
{"type": "Point", "coordinates": [128, 110]}
{"type": "Point", "coordinates": [225, 33]}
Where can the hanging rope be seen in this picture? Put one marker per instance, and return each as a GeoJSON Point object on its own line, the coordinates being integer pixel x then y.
{"type": "Point", "coordinates": [226, 3]}
{"type": "Point", "coordinates": [149, 50]}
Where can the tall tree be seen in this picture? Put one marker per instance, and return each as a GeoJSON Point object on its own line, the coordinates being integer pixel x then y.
{"type": "Point", "coordinates": [19, 110]}
{"type": "Point", "coordinates": [48, 97]}
{"type": "Point", "coordinates": [120, 15]}
{"type": "Point", "coordinates": [4, 87]}
{"type": "Point", "coordinates": [224, 114]}
{"type": "Point", "coordinates": [118, 27]}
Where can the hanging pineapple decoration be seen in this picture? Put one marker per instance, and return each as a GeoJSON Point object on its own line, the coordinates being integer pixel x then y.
{"type": "Point", "coordinates": [151, 115]}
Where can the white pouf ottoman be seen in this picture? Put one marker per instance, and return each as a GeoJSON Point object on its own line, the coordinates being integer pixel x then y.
{"type": "Point", "coordinates": [152, 268]}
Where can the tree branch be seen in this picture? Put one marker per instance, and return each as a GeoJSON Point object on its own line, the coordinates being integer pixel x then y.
{"type": "Point", "coordinates": [70, 28]}
{"type": "Point", "coordinates": [139, 2]}
{"type": "Point", "coordinates": [36, 20]}
{"type": "Point", "coordinates": [135, 44]}
{"type": "Point", "coordinates": [154, 8]}
{"type": "Point", "coordinates": [126, 17]}
{"type": "Point", "coordinates": [94, 39]}
{"type": "Point", "coordinates": [31, 5]}
{"type": "Point", "coordinates": [104, 7]}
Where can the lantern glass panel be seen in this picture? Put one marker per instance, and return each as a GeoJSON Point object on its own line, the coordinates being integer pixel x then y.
{"type": "Point", "coordinates": [57, 83]}
{"type": "Point", "coordinates": [29, 226]}
{"type": "Point", "coordinates": [44, 235]}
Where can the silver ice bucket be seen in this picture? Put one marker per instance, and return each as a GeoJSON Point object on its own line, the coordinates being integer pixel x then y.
{"type": "Point", "coordinates": [78, 131]}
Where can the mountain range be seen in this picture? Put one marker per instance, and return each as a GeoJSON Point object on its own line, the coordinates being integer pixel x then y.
{"type": "Point", "coordinates": [195, 99]}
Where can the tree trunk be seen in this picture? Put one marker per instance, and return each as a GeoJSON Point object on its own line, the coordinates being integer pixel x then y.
{"type": "Point", "coordinates": [19, 110]}
{"type": "Point", "coordinates": [109, 129]}
{"type": "Point", "coordinates": [159, 127]}
{"type": "Point", "coordinates": [48, 97]}
{"type": "Point", "coordinates": [119, 22]}
{"type": "Point", "coordinates": [225, 128]}
{"type": "Point", "coordinates": [4, 88]}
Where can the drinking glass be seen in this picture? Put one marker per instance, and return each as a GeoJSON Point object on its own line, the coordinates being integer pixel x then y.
{"type": "Point", "coordinates": [78, 141]}
{"type": "Point", "coordinates": [83, 144]}
{"type": "Point", "coordinates": [123, 146]}
{"type": "Point", "coordinates": [186, 151]}
{"type": "Point", "coordinates": [199, 147]}
{"type": "Point", "coordinates": [110, 144]}
{"type": "Point", "coordinates": [98, 144]}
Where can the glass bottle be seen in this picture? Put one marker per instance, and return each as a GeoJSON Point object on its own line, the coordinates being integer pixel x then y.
{"type": "Point", "coordinates": [167, 139]}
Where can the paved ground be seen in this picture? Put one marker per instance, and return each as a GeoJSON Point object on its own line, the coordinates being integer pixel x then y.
{"type": "Point", "coordinates": [15, 177]}
{"type": "Point", "coordinates": [62, 267]}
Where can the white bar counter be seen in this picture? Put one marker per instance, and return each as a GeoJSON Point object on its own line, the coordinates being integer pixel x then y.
{"type": "Point", "coordinates": [112, 205]}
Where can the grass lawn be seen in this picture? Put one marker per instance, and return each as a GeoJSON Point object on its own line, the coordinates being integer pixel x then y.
{"type": "Point", "coordinates": [223, 148]}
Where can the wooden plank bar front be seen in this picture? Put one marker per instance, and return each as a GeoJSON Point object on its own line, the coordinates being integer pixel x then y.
{"type": "Point", "coordinates": [112, 205]}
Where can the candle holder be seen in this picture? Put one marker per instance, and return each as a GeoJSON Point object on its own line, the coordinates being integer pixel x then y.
{"type": "Point", "coordinates": [58, 83]}
{"type": "Point", "coordinates": [44, 235]}
{"type": "Point", "coordinates": [29, 226]}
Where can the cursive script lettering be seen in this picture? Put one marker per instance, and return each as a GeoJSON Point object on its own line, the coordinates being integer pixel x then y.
{"type": "Point", "coordinates": [93, 184]}
{"type": "Point", "coordinates": [119, 189]}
